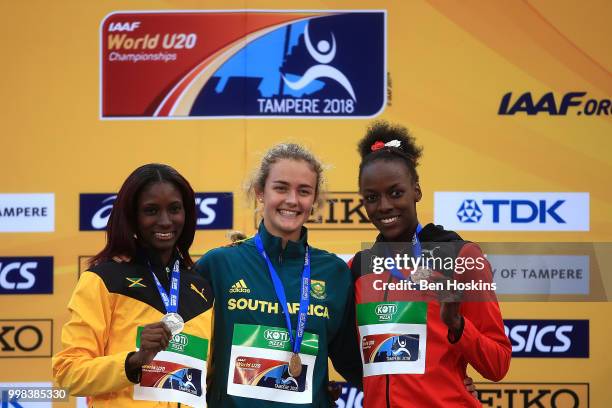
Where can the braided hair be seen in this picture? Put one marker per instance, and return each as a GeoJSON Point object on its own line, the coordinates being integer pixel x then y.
{"type": "Point", "coordinates": [389, 142]}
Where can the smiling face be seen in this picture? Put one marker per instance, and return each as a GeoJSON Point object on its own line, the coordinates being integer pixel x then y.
{"type": "Point", "coordinates": [161, 217]}
{"type": "Point", "coordinates": [288, 196]}
{"type": "Point", "coordinates": [389, 197]}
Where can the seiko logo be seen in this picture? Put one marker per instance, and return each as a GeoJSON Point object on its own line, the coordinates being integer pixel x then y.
{"type": "Point", "coordinates": [26, 338]}
{"type": "Point", "coordinates": [386, 311]}
{"type": "Point", "coordinates": [341, 211]}
{"type": "Point", "coordinates": [548, 338]}
{"type": "Point", "coordinates": [552, 395]}
{"type": "Point", "coordinates": [26, 275]}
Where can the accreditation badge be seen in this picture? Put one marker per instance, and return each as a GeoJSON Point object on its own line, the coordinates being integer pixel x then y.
{"type": "Point", "coordinates": [259, 365]}
{"type": "Point", "coordinates": [393, 337]}
{"type": "Point", "coordinates": [177, 374]}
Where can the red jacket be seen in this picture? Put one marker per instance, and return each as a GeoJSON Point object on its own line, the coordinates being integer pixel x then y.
{"type": "Point", "coordinates": [482, 344]}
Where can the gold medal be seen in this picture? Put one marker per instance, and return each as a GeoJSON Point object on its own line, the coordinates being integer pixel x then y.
{"type": "Point", "coordinates": [295, 365]}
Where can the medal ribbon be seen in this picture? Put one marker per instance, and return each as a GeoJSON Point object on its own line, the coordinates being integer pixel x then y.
{"type": "Point", "coordinates": [170, 302]}
{"type": "Point", "coordinates": [416, 252]}
{"type": "Point", "coordinates": [282, 298]}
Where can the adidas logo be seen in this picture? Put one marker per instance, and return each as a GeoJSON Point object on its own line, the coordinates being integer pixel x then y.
{"type": "Point", "coordinates": [239, 287]}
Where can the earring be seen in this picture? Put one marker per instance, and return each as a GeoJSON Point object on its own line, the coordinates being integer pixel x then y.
{"type": "Point", "coordinates": [135, 236]}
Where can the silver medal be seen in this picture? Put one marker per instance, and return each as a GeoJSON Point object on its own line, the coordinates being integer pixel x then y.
{"type": "Point", "coordinates": [421, 274]}
{"type": "Point", "coordinates": [174, 322]}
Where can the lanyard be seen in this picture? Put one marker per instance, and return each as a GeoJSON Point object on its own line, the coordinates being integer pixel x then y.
{"type": "Point", "coordinates": [280, 294]}
{"type": "Point", "coordinates": [416, 252]}
{"type": "Point", "coordinates": [171, 302]}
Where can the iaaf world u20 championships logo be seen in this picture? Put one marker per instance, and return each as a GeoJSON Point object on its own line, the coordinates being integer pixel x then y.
{"type": "Point", "coordinates": [243, 63]}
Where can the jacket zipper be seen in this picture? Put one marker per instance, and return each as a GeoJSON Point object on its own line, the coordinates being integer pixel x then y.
{"type": "Point", "coordinates": [387, 392]}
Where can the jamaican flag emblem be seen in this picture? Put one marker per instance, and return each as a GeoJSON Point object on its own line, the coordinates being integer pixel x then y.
{"type": "Point", "coordinates": [317, 289]}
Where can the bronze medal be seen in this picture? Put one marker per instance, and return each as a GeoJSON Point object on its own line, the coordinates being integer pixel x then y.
{"type": "Point", "coordinates": [295, 365]}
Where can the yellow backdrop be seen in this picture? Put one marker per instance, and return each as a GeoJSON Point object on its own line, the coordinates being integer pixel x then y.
{"type": "Point", "coordinates": [449, 65]}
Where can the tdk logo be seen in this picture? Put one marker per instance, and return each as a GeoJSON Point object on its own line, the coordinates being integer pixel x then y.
{"type": "Point", "coordinates": [470, 211]}
{"type": "Point", "coordinates": [485, 211]}
{"type": "Point", "coordinates": [213, 210]}
{"type": "Point", "coordinates": [553, 106]}
{"type": "Point", "coordinates": [26, 275]}
{"type": "Point", "coordinates": [548, 338]}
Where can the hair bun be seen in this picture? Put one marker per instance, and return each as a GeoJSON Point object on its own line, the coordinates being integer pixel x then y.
{"type": "Point", "coordinates": [383, 135]}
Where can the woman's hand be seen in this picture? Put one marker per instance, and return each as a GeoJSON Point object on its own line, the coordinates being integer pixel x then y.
{"type": "Point", "coordinates": [450, 301]}
{"type": "Point", "coordinates": [153, 339]}
{"type": "Point", "coordinates": [334, 390]}
{"type": "Point", "coordinates": [449, 314]}
{"type": "Point", "coordinates": [470, 387]}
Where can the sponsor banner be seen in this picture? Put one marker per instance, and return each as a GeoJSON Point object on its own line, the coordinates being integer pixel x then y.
{"type": "Point", "coordinates": [519, 395]}
{"type": "Point", "coordinates": [239, 63]}
{"type": "Point", "coordinates": [26, 338]}
{"type": "Point", "coordinates": [350, 397]}
{"type": "Point", "coordinates": [268, 337]}
{"type": "Point", "coordinates": [503, 395]}
{"type": "Point", "coordinates": [26, 275]}
{"type": "Point", "coordinates": [259, 365]}
{"type": "Point", "coordinates": [27, 212]}
{"type": "Point", "coordinates": [8, 402]}
{"type": "Point", "coordinates": [512, 211]}
{"type": "Point", "coordinates": [548, 338]}
{"type": "Point", "coordinates": [342, 211]}
{"type": "Point", "coordinates": [540, 274]}
{"type": "Point", "coordinates": [391, 312]}
{"type": "Point", "coordinates": [570, 103]}
{"type": "Point", "coordinates": [94, 210]}
{"type": "Point", "coordinates": [213, 210]}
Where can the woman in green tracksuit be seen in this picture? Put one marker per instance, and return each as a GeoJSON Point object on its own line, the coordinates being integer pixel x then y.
{"type": "Point", "coordinates": [282, 307]}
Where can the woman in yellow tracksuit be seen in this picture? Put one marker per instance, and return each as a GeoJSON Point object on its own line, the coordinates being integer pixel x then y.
{"type": "Point", "coordinates": [117, 306]}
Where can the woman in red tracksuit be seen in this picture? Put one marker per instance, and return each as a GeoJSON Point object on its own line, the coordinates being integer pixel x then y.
{"type": "Point", "coordinates": [415, 348]}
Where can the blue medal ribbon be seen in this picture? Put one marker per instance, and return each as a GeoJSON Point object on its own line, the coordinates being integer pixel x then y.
{"type": "Point", "coordinates": [170, 302]}
{"type": "Point", "coordinates": [416, 252]}
{"type": "Point", "coordinates": [282, 298]}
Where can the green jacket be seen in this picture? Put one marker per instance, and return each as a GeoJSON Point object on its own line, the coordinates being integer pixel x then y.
{"type": "Point", "coordinates": [244, 294]}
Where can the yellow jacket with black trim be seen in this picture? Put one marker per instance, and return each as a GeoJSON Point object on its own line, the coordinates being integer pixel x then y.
{"type": "Point", "coordinates": [110, 302]}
